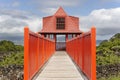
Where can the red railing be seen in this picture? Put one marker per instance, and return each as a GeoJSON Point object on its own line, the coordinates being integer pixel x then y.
{"type": "Point", "coordinates": [37, 50]}
{"type": "Point", "coordinates": [82, 50]}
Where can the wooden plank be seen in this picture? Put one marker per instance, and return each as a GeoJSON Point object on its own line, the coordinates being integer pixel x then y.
{"type": "Point", "coordinates": [60, 67]}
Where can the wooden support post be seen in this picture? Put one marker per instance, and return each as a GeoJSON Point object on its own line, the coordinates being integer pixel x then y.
{"type": "Point", "coordinates": [93, 49]}
{"type": "Point", "coordinates": [37, 54]}
{"type": "Point", "coordinates": [66, 37]}
{"type": "Point", "coordinates": [49, 36]}
{"type": "Point", "coordinates": [42, 35]}
{"type": "Point", "coordinates": [55, 40]}
{"type": "Point", "coordinates": [26, 53]}
{"type": "Point", "coordinates": [72, 36]}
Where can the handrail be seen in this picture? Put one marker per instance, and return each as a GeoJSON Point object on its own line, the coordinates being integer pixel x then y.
{"type": "Point", "coordinates": [82, 50]}
{"type": "Point", "coordinates": [85, 34]}
{"type": "Point", "coordinates": [37, 50]}
{"type": "Point", "coordinates": [37, 35]}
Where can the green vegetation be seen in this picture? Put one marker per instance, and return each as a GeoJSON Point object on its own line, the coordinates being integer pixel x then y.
{"type": "Point", "coordinates": [108, 55]}
{"type": "Point", "coordinates": [108, 59]}
{"type": "Point", "coordinates": [10, 54]}
{"type": "Point", "coordinates": [110, 78]}
{"type": "Point", "coordinates": [108, 52]}
{"type": "Point", "coordinates": [6, 46]}
{"type": "Point", "coordinates": [13, 59]}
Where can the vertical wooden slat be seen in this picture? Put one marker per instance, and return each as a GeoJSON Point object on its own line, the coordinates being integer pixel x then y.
{"type": "Point", "coordinates": [84, 55]}
{"type": "Point", "coordinates": [26, 53]}
{"type": "Point", "coordinates": [32, 52]}
{"type": "Point", "coordinates": [93, 51]}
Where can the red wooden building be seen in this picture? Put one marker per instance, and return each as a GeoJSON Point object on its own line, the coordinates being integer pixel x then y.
{"type": "Point", "coordinates": [38, 49]}
{"type": "Point", "coordinates": [60, 24]}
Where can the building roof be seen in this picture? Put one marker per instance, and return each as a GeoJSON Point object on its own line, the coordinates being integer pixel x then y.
{"type": "Point", "coordinates": [71, 23]}
{"type": "Point", "coordinates": [60, 12]}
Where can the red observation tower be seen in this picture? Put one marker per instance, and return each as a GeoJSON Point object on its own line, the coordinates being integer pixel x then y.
{"type": "Point", "coordinates": [60, 24]}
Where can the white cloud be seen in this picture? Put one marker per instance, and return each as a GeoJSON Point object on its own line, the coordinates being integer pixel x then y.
{"type": "Point", "coordinates": [34, 24]}
{"type": "Point", "coordinates": [4, 17]}
{"type": "Point", "coordinates": [15, 23]}
{"type": "Point", "coordinates": [106, 21]}
{"type": "Point", "coordinates": [12, 24]}
{"type": "Point", "coordinates": [49, 11]}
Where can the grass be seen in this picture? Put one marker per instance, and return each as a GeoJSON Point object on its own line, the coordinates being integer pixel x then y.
{"type": "Point", "coordinates": [13, 59]}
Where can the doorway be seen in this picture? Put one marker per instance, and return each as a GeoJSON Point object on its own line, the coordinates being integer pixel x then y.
{"type": "Point", "coordinates": [60, 42]}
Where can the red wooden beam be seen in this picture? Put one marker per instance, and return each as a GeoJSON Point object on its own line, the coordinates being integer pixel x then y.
{"type": "Point", "coordinates": [26, 53]}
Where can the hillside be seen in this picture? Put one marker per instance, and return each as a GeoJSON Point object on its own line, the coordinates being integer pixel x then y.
{"type": "Point", "coordinates": [108, 58]}
{"type": "Point", "coordinates": [11, 61]}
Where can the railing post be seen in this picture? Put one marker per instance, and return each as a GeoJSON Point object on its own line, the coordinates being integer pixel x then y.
{"type": "Point", "coordinates": [37, 54]}
{"type": "Point", "coordinates": [82, 51]}
{"type": "Point", "coordinates": [93, 49]}
{"type": "Point", "coordinates": [43, 49]}
{"type": "Point", "coordinates": [26, 53]}
{"type": "Point", "coordinates": [55, 40]}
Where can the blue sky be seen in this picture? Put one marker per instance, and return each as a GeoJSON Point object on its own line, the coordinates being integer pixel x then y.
{"type": "Point", "coordinates": [73, 7]}
{"type": "Point", "coordinates": [15, 14]}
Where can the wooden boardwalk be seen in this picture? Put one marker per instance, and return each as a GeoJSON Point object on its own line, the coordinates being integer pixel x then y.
{"type": "Point", "coordinates": [59, 67]}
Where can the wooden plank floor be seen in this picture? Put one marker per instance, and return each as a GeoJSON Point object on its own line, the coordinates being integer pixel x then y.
{"type": "Point", "coordinates": [60, 67]}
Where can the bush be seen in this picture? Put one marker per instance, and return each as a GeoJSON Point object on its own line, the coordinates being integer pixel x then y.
{"type": "Point", "coordinates": [116, 48]}
{"type": "Point", "coordinates": [6, 46]}
{"type": "Point", "coordinates": [13, 59]}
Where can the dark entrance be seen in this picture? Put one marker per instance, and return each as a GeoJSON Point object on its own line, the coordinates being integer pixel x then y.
{"type": "Point", "coordinates": [60, 42]}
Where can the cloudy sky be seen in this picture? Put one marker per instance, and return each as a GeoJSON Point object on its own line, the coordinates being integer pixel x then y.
{"type": "Point", "coordinates": [15, 14]}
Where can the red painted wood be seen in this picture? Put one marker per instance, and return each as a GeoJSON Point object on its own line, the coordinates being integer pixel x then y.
{"type": "Point", "coordinates": [37, 51]}
{"type": "Point", "coordinates": [71, 23]}
{"type": "Point", "coordinates": [82, 50]}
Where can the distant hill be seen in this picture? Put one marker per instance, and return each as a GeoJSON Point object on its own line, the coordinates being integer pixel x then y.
{"type": "Point", "coordinates": [98, 42]}
{"type": "Point", "coordinates": [6, 46]}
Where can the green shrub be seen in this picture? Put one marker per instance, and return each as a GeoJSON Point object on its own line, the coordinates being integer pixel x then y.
{"type": "Point", "coordinates": [106, 51]}
{"type": "Point", "coordinates": [110, 78]}
{"type": "Point", "coordinates": [13, 59]}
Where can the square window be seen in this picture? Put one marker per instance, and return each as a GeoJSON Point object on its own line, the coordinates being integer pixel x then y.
{"type": "Point", "coordinates": [60, 23]}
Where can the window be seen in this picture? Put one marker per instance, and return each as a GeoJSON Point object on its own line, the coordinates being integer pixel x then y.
{"type": "Point", "coordinates": [60, 23]}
